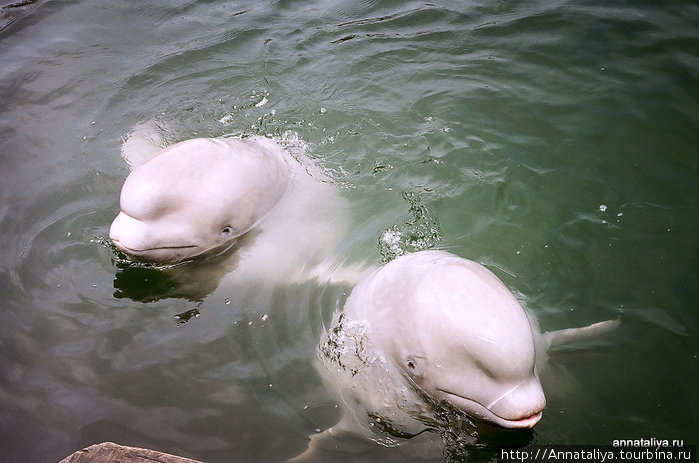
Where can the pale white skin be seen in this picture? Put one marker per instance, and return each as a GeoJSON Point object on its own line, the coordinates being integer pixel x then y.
{"type": "Point", "coordinates": [279, 215]}
{"type": "Point", "coordinates": [197, 197]}
{"type": "Point", "coordinates": [428, 328]}
{"type": "Point", "coordinates": [457, 332]}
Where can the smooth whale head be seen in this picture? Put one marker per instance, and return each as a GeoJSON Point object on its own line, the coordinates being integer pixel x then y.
{"type": "Point", "coordinates": [198, 197]}
{"type": "Point", "coordinates": [456, 332]}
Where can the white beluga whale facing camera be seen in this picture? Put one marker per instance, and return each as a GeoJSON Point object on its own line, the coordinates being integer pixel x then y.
{"type": "Point", "coordinates": [456, 332]}
{"type": "Point", "coordinates": [429, 330]}
{"type": "Point", "coordinates": [200, 197]}
{"type": "Point", "coordinates": [197, 197]}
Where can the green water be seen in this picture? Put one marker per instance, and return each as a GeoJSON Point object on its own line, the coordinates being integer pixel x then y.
{"type": "Point", "coordinates": [555, 142]}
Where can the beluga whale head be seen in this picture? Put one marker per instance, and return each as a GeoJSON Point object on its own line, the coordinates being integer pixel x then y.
{"type": "Point", "coordinates": [456, 333]}
{"type": "Point", "coordinates": [427, 340]}
{"type": "Point", "coordinates": [197, 197]}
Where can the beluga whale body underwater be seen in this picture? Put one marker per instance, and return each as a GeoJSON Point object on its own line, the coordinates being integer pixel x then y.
{"type": "Point", "coordinates": [431, 332]}
{"type": "Point", "coordinates": [273, 216]}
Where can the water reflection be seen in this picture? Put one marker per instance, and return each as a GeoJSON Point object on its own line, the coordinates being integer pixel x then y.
{"type": "Point", "coordinates": [191, 280]}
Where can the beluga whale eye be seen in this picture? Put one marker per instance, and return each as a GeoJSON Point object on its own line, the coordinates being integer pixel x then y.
{"type": "Point", "coordinates": [226, 231]}
{"type": "Point", "coordinates": [412, 367]}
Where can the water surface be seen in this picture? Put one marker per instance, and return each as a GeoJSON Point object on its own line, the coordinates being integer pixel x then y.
{"type": "Point", "coordinates": [555, 142]}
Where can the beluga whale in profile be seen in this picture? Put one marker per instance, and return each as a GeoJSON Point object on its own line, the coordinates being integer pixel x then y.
{"type": "Point", "coordinates": [431, 331]}
{"type": "Point", "coordinates": [277, 213]}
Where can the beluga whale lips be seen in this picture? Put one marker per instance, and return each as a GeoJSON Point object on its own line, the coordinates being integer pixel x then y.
{"type": "Point", "coordinates": [529, 421]}
{"type": "Point", "coordinates": [156, 255]}
{"type": "Point", "coordinates": [127, 249]}
{"type": "Point", "coordinates": [525, 419]}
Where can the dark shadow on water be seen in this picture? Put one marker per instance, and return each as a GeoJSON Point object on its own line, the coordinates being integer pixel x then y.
{"type": "Point", "coordinates": [459, 445]}
{"type": "Point", "coordinates": [144, 284]}
{"type": "Point", "coordinates": [187, 315]}
{"type": "Point", "coordinates": [192, 281]}
{"type": "Point", "coordinates": [491, 442]}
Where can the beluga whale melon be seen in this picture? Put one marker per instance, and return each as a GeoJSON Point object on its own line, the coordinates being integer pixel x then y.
{"type": "Point", "coordinates": [431, 331]}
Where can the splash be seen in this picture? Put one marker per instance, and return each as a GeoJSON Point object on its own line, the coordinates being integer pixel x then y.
{"type": "Point", "coordinates": [419, 232]}
{"type": "Point", "coordinates": [388, 407]}
{"type": "Point", "coordinates": [343, 346]}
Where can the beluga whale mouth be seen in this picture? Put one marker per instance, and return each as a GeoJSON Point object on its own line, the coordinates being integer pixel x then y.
{"type": "Point", "coordinates": [517, 419]}
{"type": "Point", "coordinates": [158, 256]}
{"type": "Point", "coordinates": [128, 250]}
{"type": "Point", "coordinates": [529, 421]}
{"type": "Point", "coordinates": [143, 242]}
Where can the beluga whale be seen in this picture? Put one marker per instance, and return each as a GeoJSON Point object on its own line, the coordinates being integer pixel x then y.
{"type": "Point", "coordinates": [198, 197]}
{"type": "Point", "coordinates": [428, 332]}
{"type": "Point", "coordinates": [245, 203]}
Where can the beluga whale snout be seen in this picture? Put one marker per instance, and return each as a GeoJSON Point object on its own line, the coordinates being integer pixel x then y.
{"type": "Point", "coordinates": [198, 197]}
